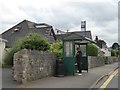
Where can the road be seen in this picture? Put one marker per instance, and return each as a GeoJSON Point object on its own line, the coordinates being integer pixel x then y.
{"type": "Point", "coordinates": [111, 81]}
{"type": "Point", "coordinates": [0, 78]}
{"type": "Point", "coordinates": [86, 80]}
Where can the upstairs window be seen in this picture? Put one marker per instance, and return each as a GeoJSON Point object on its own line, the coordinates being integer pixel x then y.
{"type": "Point", "coordinates": [40, 26]}
{"type": "Point", "coordinates": [17, 28]}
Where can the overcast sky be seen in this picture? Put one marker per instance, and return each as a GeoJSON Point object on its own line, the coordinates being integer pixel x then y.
{"type": "Point", "coordinates": [101, 15]}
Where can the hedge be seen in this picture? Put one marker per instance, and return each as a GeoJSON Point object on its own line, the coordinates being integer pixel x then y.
{"type": "Point", "coordinates": [92, 50]}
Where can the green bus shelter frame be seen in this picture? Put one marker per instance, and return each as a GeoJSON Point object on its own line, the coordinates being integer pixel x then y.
{"type": "Point", "coordinates": [70, 43]}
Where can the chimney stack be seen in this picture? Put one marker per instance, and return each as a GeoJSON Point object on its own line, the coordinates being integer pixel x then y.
{"type": "Point", "coordinates": [83, 25]}
{"type": "Point", "coordinates": [96, 39]}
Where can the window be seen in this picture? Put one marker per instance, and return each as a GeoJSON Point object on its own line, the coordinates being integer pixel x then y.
{"type": "Point", "coordinates": [83, 50]}
{"type": "Point", "coordinates": [17, 28]}
{"type": "Point", "coordinates": [41, 25]}
{"type": "Point", "coordinates": [68, 49]}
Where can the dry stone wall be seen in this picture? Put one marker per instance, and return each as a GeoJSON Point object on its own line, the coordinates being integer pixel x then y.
{"type": "Point", "coordinates": [109, 60]}
{"type": "Point", "coordinates": [94, 61]}
{"type": "Point", "coordinates": [32, 65]}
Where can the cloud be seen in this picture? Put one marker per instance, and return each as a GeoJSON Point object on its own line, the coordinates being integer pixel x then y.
{"type": "Point", "coordinates": [101, 16]}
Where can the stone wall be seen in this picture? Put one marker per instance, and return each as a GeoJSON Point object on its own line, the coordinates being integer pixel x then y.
{"type": "Point", "coordinates": [95, 61]}
{"type": "Point", "coordinates": [109, 60]}
{"type": "Point", "coordinates": [100, 61]}
{"type": "Point", "coordinates": [32, 65]}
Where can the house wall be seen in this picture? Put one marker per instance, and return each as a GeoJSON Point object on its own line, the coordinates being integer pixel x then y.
{"type": "Point", "coordinates": [2, 47]}
{"type": "Point", "coordinates": [107, 53]}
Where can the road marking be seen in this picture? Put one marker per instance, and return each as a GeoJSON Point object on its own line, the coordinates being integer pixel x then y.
{"type": "Point", "coordinates": [107, 75]}
{"type": "Point", "coordinates": [109, 79]}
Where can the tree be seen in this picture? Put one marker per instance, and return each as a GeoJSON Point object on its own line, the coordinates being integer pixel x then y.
{"type": "Point", "coordinates": [115, 46]}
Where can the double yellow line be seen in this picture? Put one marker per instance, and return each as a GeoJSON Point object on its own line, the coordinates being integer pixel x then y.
{"type": "Point", "coordinates": [109, 79]}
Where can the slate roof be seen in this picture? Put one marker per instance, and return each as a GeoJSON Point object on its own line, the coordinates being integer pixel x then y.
{"type": "Point", "coordinates": [81, 33]}
{"type": "Point", "coordinates": [26, 27]}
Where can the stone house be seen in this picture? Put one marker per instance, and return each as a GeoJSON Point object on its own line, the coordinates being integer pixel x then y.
{"type": "Point", "coordinates": [101, 43]}
{"type": "Point", "coordinates": [26, 27]}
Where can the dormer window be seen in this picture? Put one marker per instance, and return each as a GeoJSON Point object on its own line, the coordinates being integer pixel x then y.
{"type": "Point", "coordinates": [42, 25]}
{"type": "Point", "coordinates": [17, 28]}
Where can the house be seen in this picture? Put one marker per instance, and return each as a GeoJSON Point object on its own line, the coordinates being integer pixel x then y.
{"type": "Point", "coordinates": [106, 52]}
{"type": "Point", "coordinates": [58, 32]}
{"type": "Point", "coordinates": [86, 34]}
{"type": "Point", "coordinates": [26, 27]}
{"type": "Point", "coordinates": [101, 43]}
{"type": "Point", "coordinates": [103, 49]}
{"type": "Point", "coordinates": [2, 47]}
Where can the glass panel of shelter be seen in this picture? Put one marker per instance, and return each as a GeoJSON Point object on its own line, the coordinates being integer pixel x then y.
{"type": "Point", "coordinates": [82, 48]}
{"type": "Point", "coordinates": [68, 49]}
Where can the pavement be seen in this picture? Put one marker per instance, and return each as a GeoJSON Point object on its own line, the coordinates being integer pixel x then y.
{"type": "Point", "coordinates": [86, 80]}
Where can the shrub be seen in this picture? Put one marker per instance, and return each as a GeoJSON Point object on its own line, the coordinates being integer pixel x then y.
{"type": "Point", "coordinates": [32, 41]}
{"type": "Point", "coordinates": [56, 47]}
{"type": "Point", "coordinates": [113, 53]}
{"type": "Point", "coordinates": [105, 59]}
{"type": "Point", "coordinates": [35, 42]}
{"type": "Point", "coordinates": [117, 53]}
{"type": "Point", "coordinates": [92, 50]}
{"type": "Point", "coordinates": [9, 56]}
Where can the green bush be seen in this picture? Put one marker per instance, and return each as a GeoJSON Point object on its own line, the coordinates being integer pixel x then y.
{"type": "Point", "coordinates": [117, 53]}
{"type": "Point", "coordinates": [113, 53]}
{"type": "Point", "coordinates": [9, 56]}
{"type": "Point", "coordinates": [32, 41]}
{"type": "Point", "coordinates": [56, 47]}
{"type": "Point", "coordinates": [35, 42]}
{"type": "Point", "coordinates": [92, 50]}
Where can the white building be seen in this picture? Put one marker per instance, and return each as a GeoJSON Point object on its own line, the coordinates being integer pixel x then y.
{"type": "Point", "coordinates": [2, 47]}
{"type": "Point", "coordinates": [103, 52]}
{"type": "Point", "coordinates": [107, 52]}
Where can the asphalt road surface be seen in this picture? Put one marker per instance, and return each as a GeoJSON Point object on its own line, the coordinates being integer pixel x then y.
{"type": "Point", "coordinates": [86, 80]}
{"type": "Point", "coordinates": [114, 82]}
{"type": "Point", "coordinates": [0, 78]}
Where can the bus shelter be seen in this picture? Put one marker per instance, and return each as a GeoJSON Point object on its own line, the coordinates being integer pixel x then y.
{"type": "Point", "coordinates": [70, 43]}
